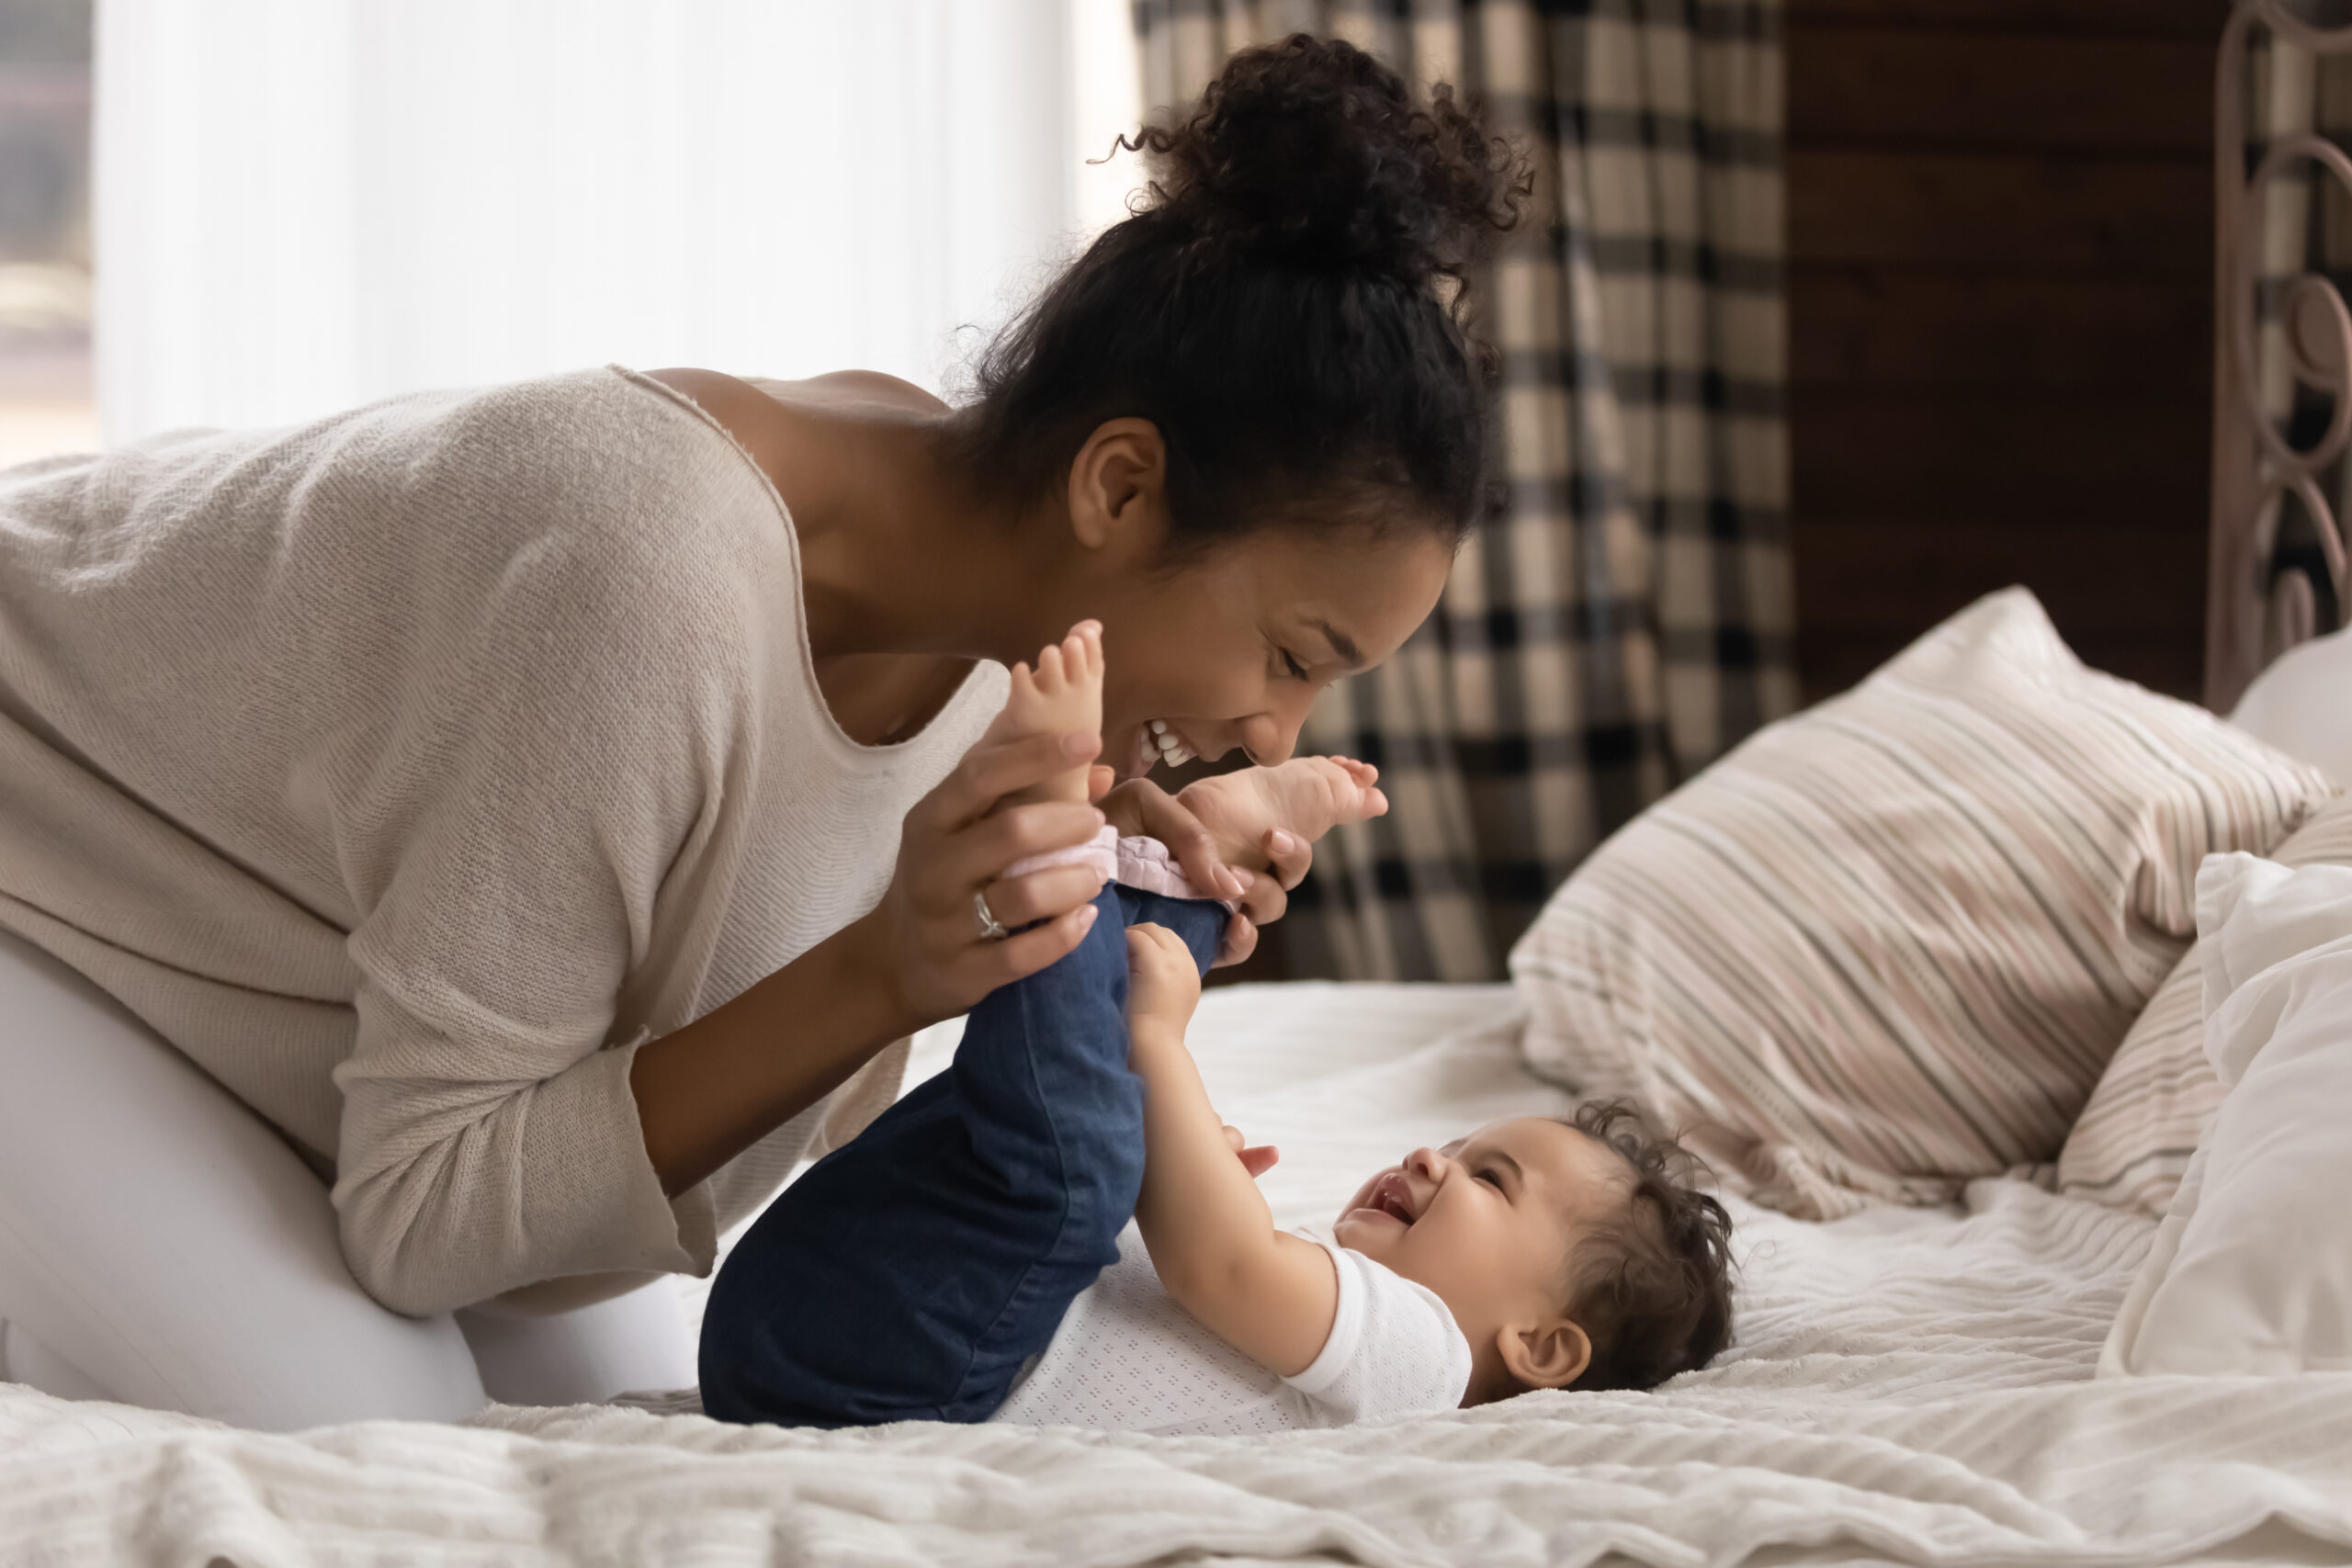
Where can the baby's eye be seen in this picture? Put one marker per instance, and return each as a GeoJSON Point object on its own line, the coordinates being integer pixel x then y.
{"type": "Point", "coordinates": [1487, 1174]}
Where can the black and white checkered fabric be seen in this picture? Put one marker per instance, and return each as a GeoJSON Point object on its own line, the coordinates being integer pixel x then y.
{"type": "Point", "coordinates": [1628, 617]}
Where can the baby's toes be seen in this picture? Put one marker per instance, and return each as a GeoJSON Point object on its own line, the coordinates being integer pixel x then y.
{"type": "Point", "coordinates": [1352, 797]}
{"type": "Point", "coordinates": [1049, 670]}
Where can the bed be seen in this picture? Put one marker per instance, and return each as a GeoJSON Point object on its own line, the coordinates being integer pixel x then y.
{"type": "Point", "coordinates": [1909, 1384]}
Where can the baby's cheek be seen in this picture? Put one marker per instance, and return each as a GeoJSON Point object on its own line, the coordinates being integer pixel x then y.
{"type": "Point", "coordinates": [1367, 1237]}
{"type": "Point", "coordinates": [1362, 1193]}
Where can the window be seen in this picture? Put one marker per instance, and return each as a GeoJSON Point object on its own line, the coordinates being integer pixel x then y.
{"type": "Point", "coordinates": [45, 385]}
{"type": "Point", "coordinates": [303, 204]}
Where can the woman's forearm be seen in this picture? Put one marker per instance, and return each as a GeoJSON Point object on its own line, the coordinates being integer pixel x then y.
{"type": "Point", "coordinates": [708, 1091]}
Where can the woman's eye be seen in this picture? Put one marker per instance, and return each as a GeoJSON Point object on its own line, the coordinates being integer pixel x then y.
{"type": "Point", "coordinates": [1298, 671]}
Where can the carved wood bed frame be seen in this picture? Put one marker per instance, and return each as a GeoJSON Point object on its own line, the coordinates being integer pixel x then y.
{"type": "Point", "coordinates": [2249, 618]}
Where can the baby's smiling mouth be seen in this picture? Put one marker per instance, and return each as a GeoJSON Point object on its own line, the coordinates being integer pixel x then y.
{"type": "Point", "coordinates": [1393, 1195]}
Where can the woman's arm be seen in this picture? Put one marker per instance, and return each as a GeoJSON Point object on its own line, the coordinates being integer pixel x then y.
{"type": "Point", "coordinates": [708, 1091]}
{"type": "Point", "coordinates": [1270, 1294]}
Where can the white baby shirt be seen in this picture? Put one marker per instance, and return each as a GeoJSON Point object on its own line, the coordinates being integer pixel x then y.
{"type": "Point", "coordinates": [1127, 1355]}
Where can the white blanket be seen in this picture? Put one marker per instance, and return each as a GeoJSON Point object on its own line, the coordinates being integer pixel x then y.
{"type": "Point", "coordinates": [1909, 1385]}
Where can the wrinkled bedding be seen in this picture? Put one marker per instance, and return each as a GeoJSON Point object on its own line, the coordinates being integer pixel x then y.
{"type": "Point", "coordinates": [1909, 1385]}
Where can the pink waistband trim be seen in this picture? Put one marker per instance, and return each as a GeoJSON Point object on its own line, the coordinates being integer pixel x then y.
{"type": "Point", "coordinates": [1142, 863]}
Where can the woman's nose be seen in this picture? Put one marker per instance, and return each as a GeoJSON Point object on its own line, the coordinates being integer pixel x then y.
{"type": "Point", "coordinates": [1269, 738]}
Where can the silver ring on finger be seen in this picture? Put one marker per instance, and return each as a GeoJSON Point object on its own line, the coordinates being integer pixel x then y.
{"type": "Point", "coordinates": [991, 929]}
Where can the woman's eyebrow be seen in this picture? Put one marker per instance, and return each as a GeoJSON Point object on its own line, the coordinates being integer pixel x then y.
{"type": "Point", "coordinates": [1341, 643]}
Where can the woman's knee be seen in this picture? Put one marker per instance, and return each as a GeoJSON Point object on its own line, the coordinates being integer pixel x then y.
{"type": "Point", "coordinates": [640, 1342]}
{"type": "Point", "coordinates": [163, 1240]}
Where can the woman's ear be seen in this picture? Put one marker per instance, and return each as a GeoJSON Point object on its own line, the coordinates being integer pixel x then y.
{"type": "Point", "coordinates": [1118, 485]}
{"type": "Point", "coordinates": [1553, 1353]}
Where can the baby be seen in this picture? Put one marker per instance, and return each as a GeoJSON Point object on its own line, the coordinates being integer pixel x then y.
{"type": "Point", "coordinates": [968, 1256]}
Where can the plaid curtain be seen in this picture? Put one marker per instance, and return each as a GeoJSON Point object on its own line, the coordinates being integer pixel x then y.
{"type": "Point", "coordinates": [1628, 617]}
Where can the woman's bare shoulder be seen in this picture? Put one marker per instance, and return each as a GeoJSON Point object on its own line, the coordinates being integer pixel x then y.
{"type": "Point", "coordinates": [747, 413]}
{"type": "Point", "coordinates": [753, 398]}
{"type": "Point", "coordinates": [760, 411]}
{"type": "Point", "coordinates": [858, 385]}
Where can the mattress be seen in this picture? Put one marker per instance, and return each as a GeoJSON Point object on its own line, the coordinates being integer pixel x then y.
{"type": "Point", "coordinates": [1908, 1385]}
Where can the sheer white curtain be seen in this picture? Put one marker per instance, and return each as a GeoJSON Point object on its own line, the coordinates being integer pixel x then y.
{"type": "Point", "coordinates": [304, 204]}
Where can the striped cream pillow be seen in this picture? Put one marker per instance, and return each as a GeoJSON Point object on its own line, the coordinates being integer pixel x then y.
{"type": "Point", "coordinates": [1890, 943]}
{"type": "Point", "coordinates": [2148, 1114]}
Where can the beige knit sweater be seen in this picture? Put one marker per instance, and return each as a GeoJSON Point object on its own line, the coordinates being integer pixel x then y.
{"type": "Point", "coordinates": [410, 768]}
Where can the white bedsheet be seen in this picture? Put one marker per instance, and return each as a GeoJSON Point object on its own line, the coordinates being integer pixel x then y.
{"type": "Point", "coordinates": [1912, 1387]}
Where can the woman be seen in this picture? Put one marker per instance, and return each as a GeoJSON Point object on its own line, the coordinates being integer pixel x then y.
{"type": "Point", "coordinates": [535, 802]}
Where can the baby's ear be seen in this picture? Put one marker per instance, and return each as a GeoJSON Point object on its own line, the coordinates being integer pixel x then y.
{"type": "Point", "coordinates": [1550, 1354]}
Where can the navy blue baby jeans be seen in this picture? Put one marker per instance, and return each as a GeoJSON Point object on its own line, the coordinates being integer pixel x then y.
{"type": "Point", "coordinates": [909, 1274]}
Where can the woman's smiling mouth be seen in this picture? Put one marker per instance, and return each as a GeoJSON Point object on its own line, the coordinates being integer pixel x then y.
{"type": "Point", "coordinates": [1171, 746]}
{"type": "Point", "coordinates": [1158, 743]}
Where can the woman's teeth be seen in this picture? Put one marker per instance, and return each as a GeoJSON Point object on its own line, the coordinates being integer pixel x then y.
{"type": "Point", "coordinates": [1171, 747]}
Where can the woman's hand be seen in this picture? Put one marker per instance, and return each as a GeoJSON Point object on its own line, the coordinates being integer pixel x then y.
{"type": "Point", "coordinates": [1141, 806]}
{"type": "Point", "coordinates": [923, 942]}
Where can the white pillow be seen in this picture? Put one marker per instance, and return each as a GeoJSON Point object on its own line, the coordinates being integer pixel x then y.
{"type": "Point", "coordinates": [2250, 1273]}
{"type": "Point", "coordinates": [2303, 704]}
{"type": "Point", "coordinates": [2141, 1125]}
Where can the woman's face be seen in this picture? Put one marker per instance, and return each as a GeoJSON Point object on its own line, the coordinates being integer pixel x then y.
{"type": "Point", "coordinates": [1231, 651]}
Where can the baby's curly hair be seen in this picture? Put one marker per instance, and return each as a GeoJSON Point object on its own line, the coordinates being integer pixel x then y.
{"type": "Point", "coordinates": [1651, 1286]}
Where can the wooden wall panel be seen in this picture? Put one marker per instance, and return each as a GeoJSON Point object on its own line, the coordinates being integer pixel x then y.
{"type": "Point", "coordinates": [1892, 329]}
{"type": "Point", "coordinates": [2034, 214]}
{"type": "Point", "coordinates": [2039, 19]}
{"type": "Point", "coordinates": [1921, 86]}
{"type": "Point", "coordinates": [2000, 319]}
{"type": "Point", "coordinates": [1991, 458]}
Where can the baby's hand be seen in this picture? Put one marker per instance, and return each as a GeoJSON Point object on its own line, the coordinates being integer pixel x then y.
{"type": "Point", "coordinates": [1256, 1159]}
{"type": "Point", "coordinates": [1162, 984]}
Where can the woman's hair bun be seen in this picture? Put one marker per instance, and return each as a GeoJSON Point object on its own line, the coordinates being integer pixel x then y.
{"type": "Point", "coordinates": [1313, 153]}
{"type": "Point", "coordinates": [1275, 307]}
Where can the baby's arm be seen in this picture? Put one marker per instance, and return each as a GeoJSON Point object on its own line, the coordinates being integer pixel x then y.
{"type": "Point", "coordinates": [1268, 1293]}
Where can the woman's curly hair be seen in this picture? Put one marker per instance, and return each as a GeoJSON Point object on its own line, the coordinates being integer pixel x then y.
{"type": "Point", "coordinates": [1652, 1286]}
{"type": "Point", "coordinates": [1286, 303]}
{"type": "Point", "coordinates": [1314, 153]}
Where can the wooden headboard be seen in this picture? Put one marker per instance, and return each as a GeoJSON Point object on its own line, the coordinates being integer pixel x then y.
{"type": "Point", "coordinates": [2250, 618]}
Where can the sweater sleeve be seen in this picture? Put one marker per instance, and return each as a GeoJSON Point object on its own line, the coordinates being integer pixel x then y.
{"type": "Point", "coordinates": [556, 747]}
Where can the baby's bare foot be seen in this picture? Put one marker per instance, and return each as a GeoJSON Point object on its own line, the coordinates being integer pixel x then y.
{"type": "Point", "coordinates": [1063, 693]}
{"type": "Point", "coordinates": [1307, 796]}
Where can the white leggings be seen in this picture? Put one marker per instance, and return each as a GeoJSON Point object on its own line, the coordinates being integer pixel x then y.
{"type": "Point", "coordinates": [161, 1246]}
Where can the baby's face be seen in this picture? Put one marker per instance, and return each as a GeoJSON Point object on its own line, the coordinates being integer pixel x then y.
{"type": "Point", "coordinates": [1488, 1222]}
